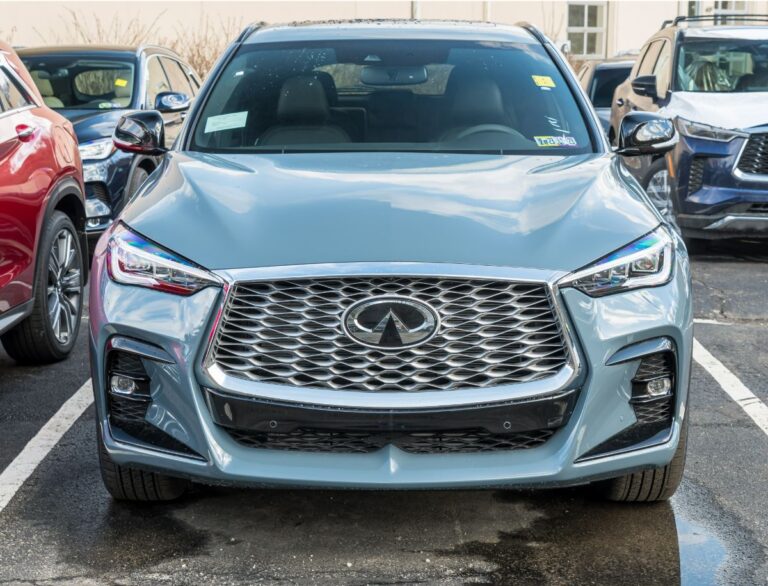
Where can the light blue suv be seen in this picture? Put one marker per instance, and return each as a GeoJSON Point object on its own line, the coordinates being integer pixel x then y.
{"type": "Point", "coordinates": [391, 255]}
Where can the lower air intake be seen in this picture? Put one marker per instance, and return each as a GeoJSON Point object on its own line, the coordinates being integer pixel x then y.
{"type": "Point", "coordinates": [453, 442]}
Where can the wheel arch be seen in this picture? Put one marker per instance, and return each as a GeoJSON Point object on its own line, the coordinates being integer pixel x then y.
{"type": "Point", "coordinates": [67, 197]}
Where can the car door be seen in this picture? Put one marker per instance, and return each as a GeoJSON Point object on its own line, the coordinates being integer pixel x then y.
{"type": "Point", "coordinates": [646, 67]}
{"type": "Point", "coordinates": [181, 84]}
{"type": "Point", "coordinates": [25, 180]}
{"type": "Point", "coordinates": [157, 83]}
{"type": "Point", "coordinates": [663, 72]}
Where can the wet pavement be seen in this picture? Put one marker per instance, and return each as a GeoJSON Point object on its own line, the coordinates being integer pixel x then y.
{"type": "Point", "coordinates": [62, 528]}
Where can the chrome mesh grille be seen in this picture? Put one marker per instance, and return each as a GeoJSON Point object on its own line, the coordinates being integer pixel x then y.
{"type": "Point", "coordinates": [290, 332]}
{"type": "Point", "coordinates": [754, 159]}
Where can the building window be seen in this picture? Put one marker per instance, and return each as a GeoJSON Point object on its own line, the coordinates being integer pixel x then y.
{"type": "Point", "coordinates": [586, 28]}
{"type": "Point", "coordinates": [729, 9]}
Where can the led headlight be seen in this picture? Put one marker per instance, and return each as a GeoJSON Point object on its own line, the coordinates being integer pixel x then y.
{"type": "Point", "coordinates": [133, 260]}
{"type": "Point", "coordinates": [96, 150]}
{"type": "Point", "coordinates": [646, 262]}
{"type": "Point", "coordinates": [707, 132]}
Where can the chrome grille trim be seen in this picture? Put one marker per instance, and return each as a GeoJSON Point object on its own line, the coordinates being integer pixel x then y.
{"type": "Point", "coordinates": [566, 377]}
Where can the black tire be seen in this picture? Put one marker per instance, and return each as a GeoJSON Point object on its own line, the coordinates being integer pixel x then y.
{"type": "Point", "coordinates": [33, 341]}
{"type": "Point", "coordinates": [648, 486]}
{"type": "Point", "coordinates": [138, 177]}
{"type": "Point", "coordinates": [696, 246]}
{"type": "Point", "coordinates": [130, 484]}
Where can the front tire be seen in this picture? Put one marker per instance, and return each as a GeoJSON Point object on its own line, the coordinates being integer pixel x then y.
{"type": "Point", "coordinates": [649, 486]}
{"type": "Point", "coordinates": [129, 484]}
{"type": "Point", "coordinates": [50, 331]}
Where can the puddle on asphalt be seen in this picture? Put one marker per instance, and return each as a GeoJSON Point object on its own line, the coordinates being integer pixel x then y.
{"type": "Point", "coordinates": [701, 554]}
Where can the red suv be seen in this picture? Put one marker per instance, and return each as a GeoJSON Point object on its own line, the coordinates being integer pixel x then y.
{"type": "Point", "coordinates": [42, 221]}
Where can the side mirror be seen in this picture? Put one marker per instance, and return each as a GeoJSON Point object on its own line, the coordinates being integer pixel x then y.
{"type": "Point", "coordinates": [643, 133]}
{"type": "Point", "coordinates": [645, 85]}
{"type": "Point", "coordinates": [172, 102]}
{"type": "Point", "coordinates": [141, 132]}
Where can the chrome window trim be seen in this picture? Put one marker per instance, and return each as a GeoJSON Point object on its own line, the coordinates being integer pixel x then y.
{"type": "Point", "coordinates": [741, 175]}
{"type": "Point", "coordinates": [567, 378]}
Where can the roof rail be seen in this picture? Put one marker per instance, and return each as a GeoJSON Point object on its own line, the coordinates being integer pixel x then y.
{"type": "Point", "coordinates": [248, 30]}
{"type": "Point", "coordinates": [713, 17]}
{"type": "Point", "coordinates": [540, 36]}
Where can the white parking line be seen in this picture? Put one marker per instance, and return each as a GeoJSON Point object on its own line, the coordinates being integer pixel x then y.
{"type": "Point", "coordinates": [22, 467]}
{"type": "Point", "coordinates": [731, 384]}
{"type": "Point", "coordinates": [713, 322]}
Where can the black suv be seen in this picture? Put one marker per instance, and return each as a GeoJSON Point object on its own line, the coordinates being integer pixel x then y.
{"type": "Point", "coordinates": [93, 86]}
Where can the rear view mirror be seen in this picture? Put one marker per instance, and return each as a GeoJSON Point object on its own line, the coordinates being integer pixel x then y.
{"type": "Point", "coordinates": [645, 85]}
{"type": "Point", "coordinates": [378, 75]}
{"type": "Point", "coordinates": [141, 132]}
{"type": "Point", "coordinates": [172, 102]}
{"type": "Point", "coordinates": [643, 133]}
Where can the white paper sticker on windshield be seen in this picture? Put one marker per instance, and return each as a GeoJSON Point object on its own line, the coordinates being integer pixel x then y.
{"type": "Point", "coordinates": [226, 122]}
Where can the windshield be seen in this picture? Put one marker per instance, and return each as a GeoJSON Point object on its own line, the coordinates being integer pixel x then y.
{"type": "Point", "coordinates": [604, 84]}
{"type": "Point", "coordinates": [722, 65]}
{"type": "Point", "coordinates": [392, 95]}
{"type": "Point", "coordinates": [82, 83]}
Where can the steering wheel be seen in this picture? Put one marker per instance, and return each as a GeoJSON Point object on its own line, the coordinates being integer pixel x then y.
{"type": "Point", "coordinates": [480, 128]}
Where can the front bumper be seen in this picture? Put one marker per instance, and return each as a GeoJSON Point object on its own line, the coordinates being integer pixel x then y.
{"type": "Point", "coordinates": [105, 183]}
{"type": "Point", "coordinates": [197, 411]}
{"type": "Point", "coordinates": [714, 198]}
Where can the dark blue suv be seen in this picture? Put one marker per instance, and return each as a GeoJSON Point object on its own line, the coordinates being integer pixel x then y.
{"type": "Point", "coordinates": [94, 86]}
{"type": "Point", "coordinates": [713, 82]}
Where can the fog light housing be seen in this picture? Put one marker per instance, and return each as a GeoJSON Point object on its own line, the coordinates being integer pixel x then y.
{"type": "Point", "coordinates": [658, 387]}
{"type": "Point", "coordinates": [122, 385]}
{"type": "Point", "coordinates": [95, 208]}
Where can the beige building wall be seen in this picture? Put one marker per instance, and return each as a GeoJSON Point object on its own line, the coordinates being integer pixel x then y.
{"type": "Point", "coordinates": [627, 23]}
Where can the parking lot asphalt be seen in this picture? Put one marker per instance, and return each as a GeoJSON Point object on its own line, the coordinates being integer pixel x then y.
{"type": "Point", "coordinates": [61, 527]}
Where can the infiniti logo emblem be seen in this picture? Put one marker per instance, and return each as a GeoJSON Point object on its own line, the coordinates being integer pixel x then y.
{"type": "Point", "coordinates": [390, 322]}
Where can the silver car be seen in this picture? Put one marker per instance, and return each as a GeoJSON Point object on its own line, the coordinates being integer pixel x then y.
{"type": "Point", "coordinates": [391, 255]}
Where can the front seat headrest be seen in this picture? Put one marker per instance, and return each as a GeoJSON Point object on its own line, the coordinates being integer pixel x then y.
{"type": "Point", "coordinates": [478, 101]}
{"type": "Point", "coordinates": [302, 100]}
{"type": "Point", "coordinates": [45, 87]}
{"type": "Point", "coordinates": [329, 86]}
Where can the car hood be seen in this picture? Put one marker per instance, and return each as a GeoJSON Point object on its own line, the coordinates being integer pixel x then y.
{"type": "Point", "coordinates": [92, 124]}
{"type": "Point", "coordinates": [733, 111]}
{"type": "Point", "coordinates": [241, 211]}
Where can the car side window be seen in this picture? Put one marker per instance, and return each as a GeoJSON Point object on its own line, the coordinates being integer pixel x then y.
{"type": "Point", "coordinates": [649, 59]}
{"type": "Point", "coordinates": [157, 82]}
{"type": "Point", "coordinates": [11, 95]}
{"type": "Point", "coordinates": [177, 77]}
{"type": "Point", "coordinates": [663, 69]}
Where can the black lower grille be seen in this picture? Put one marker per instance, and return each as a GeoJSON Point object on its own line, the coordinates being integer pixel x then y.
{"type": "Point", "coordinates": [99, 191]}
{"type": "Point", "coordinates": [122, 409]}
{"type": "Point", "coordinates": [128, 413]}
{"type": "Point", "coordinates": [653, 414]}
{"type": "Point", "coordinates": [654, 411]}
{"type": "Point", "coordinates": [754, 158]}
{"type": "Point", "coordinates": [696, 176]}
{"type": "Point", "coordinates": [758, 208]}
{"type": "Point", "coordinates": [452, 442]}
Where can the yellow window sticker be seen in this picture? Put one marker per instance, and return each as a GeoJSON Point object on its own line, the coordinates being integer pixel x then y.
{"type": "Point", "coordinates": [121, 82]}
{"type": "Point", "coordinates": [543, 81]}
{"type": "Point", "coordinates": [555, 141]}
